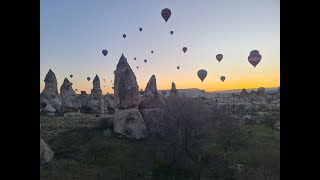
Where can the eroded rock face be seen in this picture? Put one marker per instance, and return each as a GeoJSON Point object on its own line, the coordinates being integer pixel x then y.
{"type": "Point", "coordinates": [173, 90]}
{"type": "Point", "coordinates": [126, 89]}
{"type": "Point", "coordinates": [127, 119]}
{"type": "Point", "coordinates": [46, 154]}
{"type": "Point", "coordinates": [51, 85]}
{"type": "Point", "coordinates": [261, 91]}
{"type": "Point", "coordinates": [70, 100]}
{"type": "Point", "coordinates": [151, 98]}
{"type": "Point", "coordinates": [129, 122]}
{"type": "Point", "coordinates": [96, 92]}
{"type": "Point", "coordinates": [244, 93]}
{"type": "Point", "coordinates": [96, 103]}
{"type": "Point", "coordinates": [66, 88]}
{"type": "Point", "coordinates": [49, 95]}
{"type": "Point", "coordinates": [157, 122]}
{"type": "Point", "coordinates": [109, 103]}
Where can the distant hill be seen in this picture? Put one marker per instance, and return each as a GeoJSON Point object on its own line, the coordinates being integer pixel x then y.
{"type": "Point", "coordinates": [195, 92]}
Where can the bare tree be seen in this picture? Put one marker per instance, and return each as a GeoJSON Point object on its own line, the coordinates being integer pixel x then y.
{"type": "Point", "coordinates": [230, 134]}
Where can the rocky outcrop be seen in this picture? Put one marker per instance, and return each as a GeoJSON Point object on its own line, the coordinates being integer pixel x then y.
{"type": "Point", "coordinates": [49, 96]}
{"type": "Point", "coordinates": [96, 103]}
{"type": "Point", "coordinates": [126, 89]}
{"type": "Point", "coordinates": [244, 93]}
{"type": "Point", "coordinates": [66, 88]}
{"type": "Point", "coordinates": [157, 121]}
{"type": "Point", "coordinates": [129, 122]}
{"type": "Point", "coordinates": [253, 93]}
{"type": "Point", "coordinates": [151, 109]}
{"type": "Point", "coordinates": [261, 91]}
{"type": "Point", "coordinates": [173, 90]}
{"type": "Point", "coordinates": [70, 100]}
{"type": "Point", "coordinates": [151, 98]}
{"type": "Point", "coordinates": [127, 119]}
{"type": "Point", "coordinates": [109, 103]}
{"type": "Point", "coordinates": [46, 154]}
{"type": "Point", "coordinates": [51, 85]}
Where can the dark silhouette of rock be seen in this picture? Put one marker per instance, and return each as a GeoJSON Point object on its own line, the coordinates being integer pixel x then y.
{"type": "Point", "coordinates": [261, 91]}
{"type": "Point", "coordinates": [151, 98]}
{"type": "Point", "coordinates": [253, 93]}
{"type": "Point", "coordinates": [244, 93]}
{"type": "Point", "coordinates": [173, 90]}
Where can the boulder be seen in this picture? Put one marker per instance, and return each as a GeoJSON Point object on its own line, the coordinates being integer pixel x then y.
{"type": "Point", "coordinates": [46, 154]}
{"type": "Point", "coordinates": [129, 122]}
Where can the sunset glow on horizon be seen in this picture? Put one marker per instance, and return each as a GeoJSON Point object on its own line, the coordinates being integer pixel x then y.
{"type": "Point", "coordinates": [74, 34]}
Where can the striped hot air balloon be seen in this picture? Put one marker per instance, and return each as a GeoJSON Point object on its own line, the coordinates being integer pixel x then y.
{"type": "Point", "coordinates": [166, 13]}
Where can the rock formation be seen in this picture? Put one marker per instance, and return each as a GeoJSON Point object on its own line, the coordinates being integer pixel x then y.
{"type": "Point", "coordinates": [109, 103]}
{"type": "Point", "coordinates": [96, 103]}
{"type": "Point", "coordinates": [51, 85]}
{"type": "Point", "coordinates": [66, 88]}
{"type": "Point", "coordinates": [253, 93]}
{"type": "Point", "coordinates": [150, 108]}
{"type": "Point", "coordinates": [49, 96]}
{"type": "Point", "coordinates": [45, 153]}
{"type": "Point", "coordinates": [70, 100]}
{"type": "Point", "coordinates": [244, 93]}
{"type": "Point", "coordinates": [126, 89]}
{"type": "Point", "coordinates": [173, 90]}
{"type": "Point", "coordinates": [261, 91]}
{"type": "Point", "coordinates": [127, 120]}
{"type": "Point", "coordinates": [151, 98]}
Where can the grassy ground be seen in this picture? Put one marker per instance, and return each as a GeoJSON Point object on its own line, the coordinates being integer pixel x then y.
{"type": "Point", "coordinates": [84, 152]}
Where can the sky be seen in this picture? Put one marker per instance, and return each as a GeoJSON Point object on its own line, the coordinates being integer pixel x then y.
{"type": "Point", "coordinates": [73, 34]}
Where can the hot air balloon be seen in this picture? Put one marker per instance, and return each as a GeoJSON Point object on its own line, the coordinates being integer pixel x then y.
{"type": "Point", "coordinates": [112, 88]}
{"type": "Point", "coordinates": [254, 59]}
{"type": "Point", "coordinates": [171, 32]}
{"type": "Point", "coordinates": [164, 92]}
{"type": "Point", "coordinates": [76, 89]}
{"type": "Point", "coordinates": [104, 52]}
{"type": "Point", "coordinates": [219, 57]}
{"type": "Point", "coordinates": [135, 58]}
{"type": "Point", "coordinates": [145, 61]}
{"type": "Point", "coordinates": [137, 67]}
{"type": "Point", "coordinates": [111, 80]}
{"type": "Point", "coordinates": [222, 78]}
{"type": "Point", "coordinates": [254, 52]}
{"type": "Point", "coordinates": [124, 35]}
{"type": "Point", "coordinates": [140, 29]}
{"type": "Point", "coordinates": [71, 75]}
{"type": "Point", "coordinates": [178, 67]}
{"type": "Point", "coordinates": [88, 78]}
{"type": "Point", "coordinates": [184, 49]}
{"type": "Point", "coordinates": [151, 51]}
{"type": "Point", "coordinates": [166, 13]}
{"type": "Point", "coordinates": [202, 74]}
